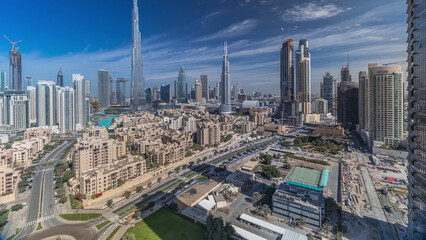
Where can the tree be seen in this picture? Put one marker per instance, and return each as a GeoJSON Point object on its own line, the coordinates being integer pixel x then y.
{"type": "Point", "coordinates": [310, 237]}
{"type": "Point", "coordinates": [177, 170]}
{"type": "Point", "coordinates": [120, 182]}
{"type": "Point", "coordinates": [159, 179]}
{"type": "Point", "coordinates": [68, 175]}
{"type": "Point", "coordinates": [127, 194]}
{"type": "Point", "coordinates": [265, 209]}
{"type": "Point", "coordinates": [301, 221]}
{"type": "Point", "coordinates": [169, 173]}
{"type": "Point", "coordinates": [217, 230]}
{"type": "Point", "coordinates": [270, 171]}
{"type": "Point", "coordinates": [110, 203]}
{"type": "Point", "coordinates": [327, 228]}
{"type": "Point", "coordinates": [191, 163]}
{"type": "Point", "coordinates": [16, 207]}
{"type": "Point", "coordinates": [63, 199]}
{"type": "Point", "coordinates": [129, 236]}
{"type": "Point", "coordinates": [138, 189]}
{"type": "Point", "coordinates": [256, 197]}
{"type": "Point", "coordinates": [137, 214]}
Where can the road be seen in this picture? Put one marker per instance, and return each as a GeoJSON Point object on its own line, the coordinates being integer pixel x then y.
{"type": "Point", "coordinates": [47, 217]}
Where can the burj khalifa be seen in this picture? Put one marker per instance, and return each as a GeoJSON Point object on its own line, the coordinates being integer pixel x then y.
{"type": "Point", "coordinates": [137, 81]}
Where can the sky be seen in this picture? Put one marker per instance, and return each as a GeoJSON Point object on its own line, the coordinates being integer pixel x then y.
{"type": "Point", "coordinates": [83, 36]}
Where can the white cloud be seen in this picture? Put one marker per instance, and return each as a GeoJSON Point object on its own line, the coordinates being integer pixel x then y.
{"type": "Point", "coordinates": [311, 11]}
{"type": "Point", "coordinates": [234, 30]}
{"type": "Point", "coordinates": [209, 17]}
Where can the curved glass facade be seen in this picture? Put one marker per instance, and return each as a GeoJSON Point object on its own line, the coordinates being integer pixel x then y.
{"type": "Point", "coordinates": [416, 20]}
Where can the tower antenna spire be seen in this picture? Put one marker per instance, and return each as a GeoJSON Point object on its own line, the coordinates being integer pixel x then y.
{"type": "Point", "coordinates": [225, 47]}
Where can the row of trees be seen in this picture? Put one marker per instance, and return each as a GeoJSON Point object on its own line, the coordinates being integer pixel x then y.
{"type": "Point", "coordinates": [217, 229]}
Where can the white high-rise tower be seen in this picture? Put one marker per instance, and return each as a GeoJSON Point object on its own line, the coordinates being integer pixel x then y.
{"type": "Point", "coordinates": [225, 84]}
{"type": "Point", "coordinates": [137, 81]}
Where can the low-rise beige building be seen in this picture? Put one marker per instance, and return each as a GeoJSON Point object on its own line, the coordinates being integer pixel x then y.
{"type": "Point", "coordinates": [6, 181]}
{"type": "Point", "coordinates": [38, 132]}
{"type": "Point", "coordinates": [106, 177]}
{"type": "Point", "coordinates": [96, 132]}
{"type": "Point", "coordinates": [332, 131]}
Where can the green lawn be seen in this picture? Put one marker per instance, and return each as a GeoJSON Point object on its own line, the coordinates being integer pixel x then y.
{"type": "Point", "coordinates": [165, 225]}
{"type": "Point", "coordinates": [73, 202]}
{"type": "Point", "coordinates": [80, 216]}
{"type": "Point", "coordinates": [47, 164]}
{"type": "Point", "coordinates": [102, 225]}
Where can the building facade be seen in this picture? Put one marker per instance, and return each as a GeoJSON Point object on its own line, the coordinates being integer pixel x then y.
{"type": "Point", "coordinates": [120, 89]}
{"type": "Point", "coordinates": [60, 78]}
{"type": "Point", "coordinates": [2, 81]}
{"type": "Point", "coordinates": [347, 100]}
{"type": "Point", "coordinates": [137, 89]}
{"type": "Point", "coordinates": [416, 20]}
{"type": "Point", "coordinates": [205, 87]}
{"type": "Point", "coordinates": [225, 85]}
{"type": "Point", "coordinates": [66, 109]}
{"type": "Point", "coordinates": [198, 92]}
{"type": "Point", "coordinates": [104, 88]}
{"type": "Point", "coordinates": [165, 93]}
{"type": "Point", "coordinates": [208, 134]}
{"type": "Point", "coordinates": [328, 90]}
{"type": "Point", "coordinates": [15, 70]}
{"type": "Point", "coordinates": [46, 103]}
{"type": "Point", "coordinates": [303, 75]}
{"type": "Point", "coordinates": [81, 102]}
{"type": "Point", "coordinates": [181, 86]}
{"type": "Point", "coordinates": [386, 103]}
{"type": "Point", "coordinates": [363, 100]}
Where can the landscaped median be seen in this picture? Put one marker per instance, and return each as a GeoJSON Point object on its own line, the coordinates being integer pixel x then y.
{"type": "Point", "coordinates": [80, 216]}
{"type": "Point", "coordinates": [102, 225]}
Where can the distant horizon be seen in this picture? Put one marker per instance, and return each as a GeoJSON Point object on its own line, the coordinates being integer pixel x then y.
{"type": "Point", "coordinates": [101, 39]}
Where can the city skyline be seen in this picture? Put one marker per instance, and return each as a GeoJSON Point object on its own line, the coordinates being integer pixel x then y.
{"type": "Point", "coordinates": [254, 50]}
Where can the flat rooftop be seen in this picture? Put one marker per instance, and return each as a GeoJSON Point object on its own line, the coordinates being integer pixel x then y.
{"type": "Point", "coordinates": [305, 177]}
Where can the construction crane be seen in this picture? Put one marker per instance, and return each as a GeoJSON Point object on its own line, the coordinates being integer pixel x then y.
{"type": "Point", "coordinates": [386, 64]}
{"type": "Point", "coordinates": [13, 43]}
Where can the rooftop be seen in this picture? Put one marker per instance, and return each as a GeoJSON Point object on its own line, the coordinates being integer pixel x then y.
{"type": "Point", "coordinates": [306, 177]}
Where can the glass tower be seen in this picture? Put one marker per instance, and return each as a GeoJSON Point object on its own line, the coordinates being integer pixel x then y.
{"type": "Point", "coordinates": [416, 40]}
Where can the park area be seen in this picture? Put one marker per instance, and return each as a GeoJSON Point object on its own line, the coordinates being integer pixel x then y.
{"type": "Point", "coordinates": [165, 225]}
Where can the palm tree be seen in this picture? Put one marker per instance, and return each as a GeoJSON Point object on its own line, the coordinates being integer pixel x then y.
{"type": "Point", "coordinates": [259, 209]}
{"type": "Point", "coordinates": [169, 173]}
{"type": "Point", "coordinates": [256, 197]}
{"type": "Point", "coordinates": [327, 228]}
{"type": "Point", "coordinates": [265, 209]}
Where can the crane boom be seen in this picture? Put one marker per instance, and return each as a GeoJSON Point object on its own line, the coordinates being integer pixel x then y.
{"type": "Point", "coordinates": [13, 43]}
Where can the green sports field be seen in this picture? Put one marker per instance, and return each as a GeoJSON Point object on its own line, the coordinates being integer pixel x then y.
{"type": "Point", "coordinates": [165, 225]}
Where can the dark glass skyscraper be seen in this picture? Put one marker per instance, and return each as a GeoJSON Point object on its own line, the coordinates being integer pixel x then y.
{"type": "Point", "coordinates": [181, 86]}
{"type": "Point", "coordinates": [165, 93]}
{"type": "Point", "coordinates": [328, 90]}
{"type": "Point", "coordinates": [120, 90]}
{"type": "Point", "coordinates": [347, 100]}
{"type": "Point", "coordinates": [15, 70]}
{"type": "Point", "coordinates": [138, 81]}
{"type": "Point", "coordinates": [60, 78]}
{"type": "Point", "coordinates": [416, 30]}
{"type": "Point", "coordinates": [289, 111]}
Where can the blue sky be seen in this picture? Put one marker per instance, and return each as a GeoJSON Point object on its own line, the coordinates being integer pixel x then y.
{"type": "Point", "coordinates": [83, 36]}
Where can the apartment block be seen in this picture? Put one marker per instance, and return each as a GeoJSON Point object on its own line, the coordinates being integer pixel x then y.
{"type": "Point", "coordinates": [38, 132]}
{"type": "Point", "coordinates": [6, 181]}
{"type": "Point", "coordinates": [97, 132]}
{"type": "Point", "coordinates": [91, 153]}
{"type": "Point", "coordinates": [208, 133]}
{"type": "Point", "coordinates": [106, 177]}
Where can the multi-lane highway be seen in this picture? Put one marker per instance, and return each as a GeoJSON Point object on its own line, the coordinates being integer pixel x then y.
{"type": "Point", "coordinates": [43, 186]}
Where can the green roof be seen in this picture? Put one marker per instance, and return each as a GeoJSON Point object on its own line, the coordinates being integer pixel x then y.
{"type": "Point", "coordinates": [305, 177]}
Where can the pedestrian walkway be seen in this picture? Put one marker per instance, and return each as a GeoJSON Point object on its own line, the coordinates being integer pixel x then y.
{"type": "Point", "coordinates": [35, 222]}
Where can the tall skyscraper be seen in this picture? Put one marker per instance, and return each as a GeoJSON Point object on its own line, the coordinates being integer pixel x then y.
{"type": "Point", "coordinates": [225, 84]}
{"type": "Point", "coordinates": [181, 86]}
{"type": "Point", "coordinates": [15, 70]}
{"type": "Point", "coordinates": [303, 75]}
{"type": "Point", "coordinates": [104, 90]}
{"type": "Point", "coordinates": [416, 20]}
{"type": "Point", "coordinates": [88, 89]}
{"type": "Point", "coordinates": [328, 90]}
{"type": "Point", "coordinates": [14, 109]}
{"type": "Point", "coordinates": [217, 92]}
{"type": "Point", "coordinates": [2, 81]}
{"type": "Point", "coordinates": [363, 100]}
{"type": "Point", "coordinates": [289, 110]}
{"type": "Point", "coordinates": [347, 100]}
{"type": "Point", "coordinates": [205, 86]}
{"type": "Point", "coordinates": [148, 95]}
{"type": "Point", "coordinates": [120, 89]}
{"type": "Point", "coordinates": [386, 104]}
{"type": "Point", "coordinates": [235, 91]}
{"type": "Point", "coordinates": [28, 82]}
{"type": "Point", "coordinates": [165, 93]}
{"type": "Point", "coordinates": [60, 78]}
{"type": "Point", "coordinates": [138, 81]}
{"type": "Point", "coordinates": [198, 92]}
{"type": "Point", "coordinates": [46, 103]}
{"type": "Point", "coordinates": [66, 110]}
{"type": "Point", "coordinates": [32, 105]}
{"type": "Point", "coordinates": [81, 105]}
{"type": "Point", "coordinates": [155, 95]}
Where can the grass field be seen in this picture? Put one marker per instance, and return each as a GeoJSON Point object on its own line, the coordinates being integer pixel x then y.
{"type": "Point", "coordinates": [80, 216]}
{"type": "Point", "coordinates": [154, 227]}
